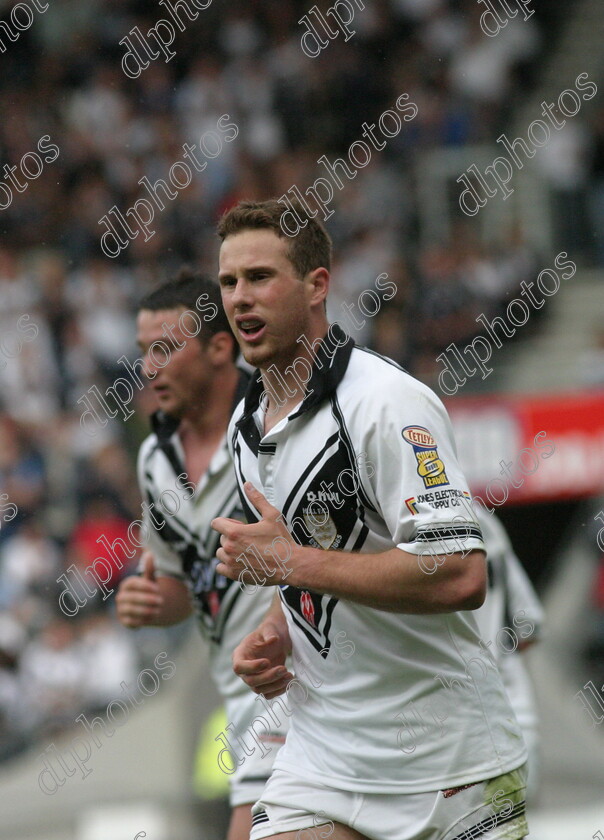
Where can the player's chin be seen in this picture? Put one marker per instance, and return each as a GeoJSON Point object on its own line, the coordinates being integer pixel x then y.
{"type": "Point", "coordinates": [172, 406]}
{"type": "Point", "coordinates": [257, 355]}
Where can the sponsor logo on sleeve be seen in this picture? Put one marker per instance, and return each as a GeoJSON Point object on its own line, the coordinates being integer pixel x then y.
{"type": "Point", "coordinates": [430, 468]}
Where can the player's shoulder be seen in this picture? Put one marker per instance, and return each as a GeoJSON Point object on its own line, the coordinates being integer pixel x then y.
{"type": "Point", "coordinates": [371, 376]}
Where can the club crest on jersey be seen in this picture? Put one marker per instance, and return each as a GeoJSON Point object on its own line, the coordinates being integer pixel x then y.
{"type": "Point", "coordinates": [307, 608]}
{"type": "Point", "coordinates": [429, 466]}
{"type": "Point", "coordinates": [320, 524]}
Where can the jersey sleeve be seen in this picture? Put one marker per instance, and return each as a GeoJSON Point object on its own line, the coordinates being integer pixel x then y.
{"type": "Point", "coordinates": [167, 562]}
{"type": "Point", "coordinates": [418, 486]}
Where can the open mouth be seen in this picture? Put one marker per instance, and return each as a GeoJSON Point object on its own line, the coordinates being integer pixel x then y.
{"type": "Point", "coordinates": [251, 328]}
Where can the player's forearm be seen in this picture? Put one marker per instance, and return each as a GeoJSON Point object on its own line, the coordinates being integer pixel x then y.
{"type": "Point", "coordinates": [392, 580]}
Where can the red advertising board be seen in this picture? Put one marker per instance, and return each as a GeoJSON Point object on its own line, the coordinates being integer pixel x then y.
{"type": "Point", "coordinates": [534, 448]}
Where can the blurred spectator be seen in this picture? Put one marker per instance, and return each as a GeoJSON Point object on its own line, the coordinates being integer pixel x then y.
{"type": "Point", "coordinates": [98, 530]}
{"type": "Point", "coordinates": [29, 563]}
{"type": "Point", "coordinates": [22, 472]}
{"type": "Point", "coordinates": [109, 657]}
{"type": "Point", "coordinates": [52, 669]}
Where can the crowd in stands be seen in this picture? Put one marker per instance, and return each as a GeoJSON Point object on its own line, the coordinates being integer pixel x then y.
{"type": "Point", "coordinates": [63, 78]}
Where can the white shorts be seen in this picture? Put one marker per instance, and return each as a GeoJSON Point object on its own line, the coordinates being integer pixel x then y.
{"type": "Point", "coordinates": [487, 810]}
{"type": "Point", "coordinates": [248, 782]}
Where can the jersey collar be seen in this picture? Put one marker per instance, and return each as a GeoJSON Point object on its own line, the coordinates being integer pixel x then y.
{"type": "Point", "coordinates": [328, 370]}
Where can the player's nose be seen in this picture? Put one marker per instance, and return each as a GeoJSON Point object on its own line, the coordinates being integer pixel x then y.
{"type": "Point", "coordinates": [242, 294]}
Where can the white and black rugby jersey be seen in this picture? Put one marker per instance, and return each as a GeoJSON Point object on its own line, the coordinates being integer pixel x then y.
{"type": "Point", "coordinates": [183, 542]}
{"type": "Point", "coordinates": [393, 702]}
{"type": "Point", "coordinates": [184, 546]}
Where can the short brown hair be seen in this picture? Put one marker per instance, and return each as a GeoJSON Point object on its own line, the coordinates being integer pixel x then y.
{"type": "Point", "coordinates": [310, 248]}
{"type": "Point", "coordinates": [185, 289]}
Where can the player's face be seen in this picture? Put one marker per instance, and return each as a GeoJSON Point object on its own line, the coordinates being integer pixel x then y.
{"type": "Point", "coordinates": [176, 365]}
{"type": "Point", "coordinates": [266, 302]}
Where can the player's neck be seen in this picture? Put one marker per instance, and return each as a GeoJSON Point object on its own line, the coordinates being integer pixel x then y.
{"type": "Point", "coordinates": [285, 379]}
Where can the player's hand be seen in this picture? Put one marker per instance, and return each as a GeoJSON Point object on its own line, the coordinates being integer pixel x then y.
{"type": "Point", "coordinates": [139, 600]}
{"type": "Point", "coordinates": [264, 548]}
{"type": "Point", "coordinates": [260, 661]}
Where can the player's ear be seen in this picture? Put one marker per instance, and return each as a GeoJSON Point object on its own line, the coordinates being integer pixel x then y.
{"type": "Point", "coordinates": [318, 284]}
{"type": "Point", "coordinates": [220, 347]}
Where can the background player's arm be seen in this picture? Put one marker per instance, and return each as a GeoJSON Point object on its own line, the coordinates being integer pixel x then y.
{"type": "Point", "coordinates": [150, 600]}
{"type": "Point", "coordinates": [391, 580]}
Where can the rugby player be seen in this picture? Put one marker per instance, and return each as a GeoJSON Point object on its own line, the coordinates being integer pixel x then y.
{"type": "Point", "coordinates": [192, 372]}
{"type": "Point", "coordinates": [347, 459]}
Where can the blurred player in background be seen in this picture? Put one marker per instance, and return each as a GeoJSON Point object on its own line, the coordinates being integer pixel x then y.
{"type": "Point", "coordinates": [510, 621]}
{"type": "Point", "coordinates": [188, 355]}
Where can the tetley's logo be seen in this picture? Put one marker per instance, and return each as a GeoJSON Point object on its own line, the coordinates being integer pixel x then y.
{"type": "Point", "coordinates": [429, 466]}
{"type": "Point", "coordinates": [418, 436]}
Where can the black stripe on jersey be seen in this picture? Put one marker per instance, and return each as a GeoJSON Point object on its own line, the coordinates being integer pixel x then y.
{"type": "Point", "coordinates": [331, 605]}
{"type": "Point", "coordinates": [304, 628]}
{"type": "Point", "coordinates": [324, 605]}
{"type": "Point", "coordinates": [250, 513]}
{"type": "Point", "coordinates": [339, 418]}
{"type": "Point", "coordinates": [246, 425]}
{"type": "Point", "coordinates": [262, 817]}
{"type": "Point", "coordinates": [321, 645]}
{"type": "Point", "coordinates": [267, 448]}
{"type": "Point", "coordinates": [309, 468]}
{"type": "Point", "coordinates": [360, 540]}
{"type": "Point", "coordinates": [329, 367]}
{"type": "Point", "coordinates": [490, 575]}
{"type": "Point", "coordinates": [203, 543]}
{"type": "Point", "coordinates": [170, 452]}
{"type": "Point", "coordinates": [434, 533]}
{"type": "Point", "coordinates": [164, 427]}
{"type": "Point", "coordinates": [483, 827]}
{"type": "Point", "coordinates": [250, 779]}
{"type": "Point", "coordinates": [171, 536]}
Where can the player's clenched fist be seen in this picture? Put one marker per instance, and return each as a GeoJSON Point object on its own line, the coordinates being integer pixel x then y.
{"type": "Point", "coordinates": [261, 549]}
{"type": "Point", "coordinates": [260, 661]}
{"type": "Point", "coordinates": [139, 600]}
